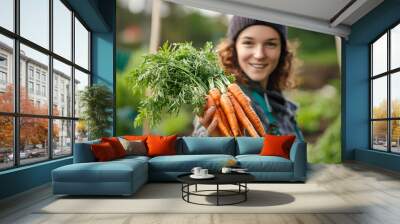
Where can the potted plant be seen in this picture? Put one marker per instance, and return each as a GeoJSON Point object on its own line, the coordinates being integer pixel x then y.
{"type": "Point", "coordinates": [96, 102]}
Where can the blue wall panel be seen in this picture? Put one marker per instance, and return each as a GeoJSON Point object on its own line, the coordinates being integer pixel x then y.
{"type": "Point", "coordinates": [24, 178]}
{"type": "Point", "coordinates": [103, 53]}
{"type": "Point", "coordinates": [355, 124]}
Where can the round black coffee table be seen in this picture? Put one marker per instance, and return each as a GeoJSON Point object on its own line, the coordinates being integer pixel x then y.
{"type": "Point", "coordinates": [238, 179]}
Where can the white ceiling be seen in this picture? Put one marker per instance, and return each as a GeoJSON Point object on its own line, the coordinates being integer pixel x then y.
{"type": "Point", "coordinates": [326, 16]}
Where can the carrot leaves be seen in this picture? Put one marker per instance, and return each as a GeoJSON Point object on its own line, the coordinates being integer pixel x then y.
{"type": "Point", "coordinates": [177, 75]}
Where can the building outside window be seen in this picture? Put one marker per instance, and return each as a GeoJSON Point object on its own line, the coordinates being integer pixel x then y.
{"type": "Point", "coordinates": [385, 94]}
{"type": "Point", "coordinates": [59, 134]}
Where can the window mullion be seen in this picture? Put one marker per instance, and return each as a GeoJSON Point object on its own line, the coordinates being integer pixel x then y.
{"type": "Point", "coordinates": [73, 82]}
{"type": "Point", "coordinates": [371, 89]}
{"type": "Point", "coordinates": [389, 106]}
{"type": "Point", "coordinates": [50, 81]}
{"type": "Point", "coordinates": [16, 84]}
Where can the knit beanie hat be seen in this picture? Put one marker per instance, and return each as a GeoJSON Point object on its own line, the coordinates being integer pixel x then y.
{"type": "Point", "coordinates": [238, 24]}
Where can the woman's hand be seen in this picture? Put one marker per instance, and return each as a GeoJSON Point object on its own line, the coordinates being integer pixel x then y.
{"type": "Point", "coordinates": [210, 121]}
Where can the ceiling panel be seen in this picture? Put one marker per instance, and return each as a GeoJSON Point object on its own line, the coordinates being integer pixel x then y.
{"type": "Point", "coordinates": [333, 17]}
{"type": "Point", "coordinates": [320, 9]}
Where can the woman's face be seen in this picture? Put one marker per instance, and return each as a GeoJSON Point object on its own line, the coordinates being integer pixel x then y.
{"type": "Point", "coordinates": [258, 49]}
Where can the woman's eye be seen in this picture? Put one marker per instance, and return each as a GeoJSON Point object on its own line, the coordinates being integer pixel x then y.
{"type": "Point", "coordinates": [247, 43]}
{"type": "Point", "coordinates": [271, 45]}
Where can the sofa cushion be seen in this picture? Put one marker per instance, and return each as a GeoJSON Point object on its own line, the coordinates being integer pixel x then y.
{"type": "Point", "coordinates": [117, 146]}
{"type": "Point", "coordinates": [185, 163]}
{"type": "Point", "coordinates": [161, 145]}
{"type": "Point", "coordinates": [135, 147]}
{"type": "Point", "coordinates": [248, 145]}
{"type": "Point", "coordinates": [130, 158]}
{"type": "Point", "coordinates": [135, 137]}
{"type": "Point", "coordinates": [277, 145]}
{"type": "Point", "coordinates": [103, 151]}
{"type": "Point", "coordinates": [83, 152]}
{"type": "Point", "coordinates": [207, 145]}
{"type": "Point", "coordinates": [257, 163]}
{"type": "Point", "coordinates": [96, 172]}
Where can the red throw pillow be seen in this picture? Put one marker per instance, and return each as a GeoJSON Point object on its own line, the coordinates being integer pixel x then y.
{"type": "Point", "coordinates": [103, 151]}
{"type": "Point", "coordinates": [135, 137]}
{"type": "Point", "coordinates": [161, 145]}
{"type": "Point", "coordinates": [277, 145]}
{"type": "Point", "coordinates": [116, 145]}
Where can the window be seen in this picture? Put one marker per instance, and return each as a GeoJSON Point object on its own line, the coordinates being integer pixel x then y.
{"type": "Point", "coordinates": [44, 77]}
{"type": "Point", "coordinates": [30, 87]}
{"type": "Point", "coordinates": [385, 95]}
{"type": "Point", "coordinates": [3, 71]}
{"type": "Point", "coordinates": [3, 78]}
{"type": "Point", "coordinates": [38, 89]}
{"type": "Point", "coordinates": [34, 21]}
{"type": "Point", "coordinates": [3, 61]}
{"type": "Point", "coordinates": [81, 45]}
{"type": "Point", "coordinates": [62, 75]}
{"type": "Point", "coordinates": [62, 29]}
{"type": "Point", "coordinates": [54, 125]}
{"type": "Point", "coordinates": [44, 91]}
{"type": "Point", "coordinates": [7, 14]}
{"type": "Point", "coordinates": [6, 71]}
{"type": "Point", "coordinates": [30, 72]}
{"type": "Point", "coordinates": [37, 75]}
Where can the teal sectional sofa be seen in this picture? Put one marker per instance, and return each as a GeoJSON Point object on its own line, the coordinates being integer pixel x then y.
{"type": "Point", "coordinates": [125, 176]}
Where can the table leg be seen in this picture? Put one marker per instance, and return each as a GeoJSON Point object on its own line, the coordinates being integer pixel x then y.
{"type": "Point", "coordinates": [245, 193]}
{"type": "Point", "coordinates": [196, 188]}
{"type": "Point", "coordinates": [217, 194]}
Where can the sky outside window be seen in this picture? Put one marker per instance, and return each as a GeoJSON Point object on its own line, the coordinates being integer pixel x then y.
{"type": "Point", "coordinates": [379, 56]}
{"type": "Point", "coordinates": [35, 21]}
{"type": "Point", "coordinates": [62, 29]}
{"type": "Point", "coordinates": [7, 14]}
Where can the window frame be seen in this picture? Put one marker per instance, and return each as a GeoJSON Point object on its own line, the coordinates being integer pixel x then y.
{"type": "Point", "coordinates": [16, 114]}
{"type": "Point", "coordinates": [388, 74]}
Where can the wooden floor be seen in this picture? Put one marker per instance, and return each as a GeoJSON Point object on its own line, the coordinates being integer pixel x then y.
{"type": "Point", "coordinates": [378, 188]}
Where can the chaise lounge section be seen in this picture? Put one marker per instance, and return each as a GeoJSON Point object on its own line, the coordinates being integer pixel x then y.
{"type": "Point", "coordinates": [125, 176]}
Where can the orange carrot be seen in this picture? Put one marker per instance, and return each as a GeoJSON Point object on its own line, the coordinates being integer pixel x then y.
{"type": "Point", "coordinates": [210, 102]}
{"type": "Point", "coordinates": [244, 101]}
{"type": "Point", "coordinates": [241, 115]}
{"type": "Point", "coordinates": [223, 125]}
{"type": "Point", "coordinates": [229, 111]}
{"type": "Point", "coordinates": [215, 94]}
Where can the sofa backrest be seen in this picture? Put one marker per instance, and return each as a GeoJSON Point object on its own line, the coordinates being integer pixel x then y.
{"type": "Point", "coordinates": [248, 145]}
{"type": "Point", "coordinates": [206, 145]}
{"type": "Point", "coordinates": [83, 152]}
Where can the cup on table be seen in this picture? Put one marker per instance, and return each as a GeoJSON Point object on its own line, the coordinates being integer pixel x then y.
{"type": "Point", "coordinates": [203, 172]}
{"type": "Point", "coordinates": [196, 171]}
{"type": "Point", "coordinates": [226, 170]}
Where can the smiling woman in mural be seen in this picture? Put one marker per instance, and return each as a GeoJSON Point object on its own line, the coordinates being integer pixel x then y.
{"type": "Point", "coordinates": [258, 55]}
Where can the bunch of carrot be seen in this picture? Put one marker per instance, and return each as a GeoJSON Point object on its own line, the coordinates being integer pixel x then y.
{"type": "Point", "coordinates": [234, 112]}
